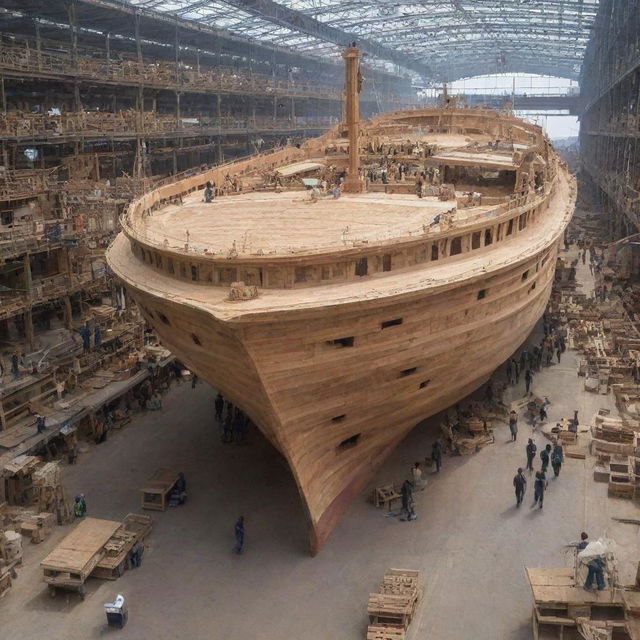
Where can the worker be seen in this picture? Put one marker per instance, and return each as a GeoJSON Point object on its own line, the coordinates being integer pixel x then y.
{"type": "Point", "coordinates": [219, 405]}
{"type": "Point", "coordinates": [545, 456]}
{"type": "Point", "coordinates": [135, 555]}
{"type": "Point", "coordinates": [513, 425]}
{"type": "Point", "coordinates": [181, 488]}
{"type": "Point", "coordinates": [584, 541]}
{"type": "Point", "coordinates": [436, 454]}
{"type": "Point", "coordinates": [406, 493]}
{"type": "Point", "coordinates": [539, 487]}
{"type": "Point", "coordinates": [85, 334]}
{"type": "Point", "coordinates": [531, 454]}
{"type": "Point", "coordinates": [595, 568]}
{"type": "Point", "coordinates": [510, 372]}
{"type": "Point", "coordinates": [154, 403]}
{"type": "Point", "coordinates": [40, 423]}
{"type": "Point", "coordinates": [520, 485]}
{"type": "Point", "coordinates": [528, 379]}
{"type": "Point", "coordinates": [209, 193]}
{"type": "Point", "coordinates": [543, 414]}
{"type": "Point", "coordinates": [15, 360]}
{"type": "Point", "coordinates": [227, 435]}
{"type": "Point", "coordinates": [524, 360]}
{"type": "Point", "coordinates": [557, 458]}
{"type": "Point", "coordinates": [239, 533]}
{"type": "Point", "coordinates": [418, 482]}
{"type": "Point", "coordinates": [97, 337]}
{"type": "Point", "coordinates": [80, 506]}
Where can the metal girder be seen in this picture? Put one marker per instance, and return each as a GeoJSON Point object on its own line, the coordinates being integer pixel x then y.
{"type": "Point", "coordinates": [298, 21]}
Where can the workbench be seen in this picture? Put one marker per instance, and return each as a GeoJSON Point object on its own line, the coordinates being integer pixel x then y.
{"type": "Point", "coordinates": [72, 561]}
{"type": "Point", "coordinates": [155, 494]}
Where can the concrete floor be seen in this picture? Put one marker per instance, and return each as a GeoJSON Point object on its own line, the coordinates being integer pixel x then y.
{"type": "Point", "coordinates": [470, 541]}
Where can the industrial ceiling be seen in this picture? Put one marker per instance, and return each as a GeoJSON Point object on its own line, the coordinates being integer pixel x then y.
{"type": "Point", "coordinates": [436, 40]}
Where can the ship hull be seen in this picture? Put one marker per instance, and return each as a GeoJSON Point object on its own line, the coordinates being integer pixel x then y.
{"type": "Point", "coordinates": [336, 410]}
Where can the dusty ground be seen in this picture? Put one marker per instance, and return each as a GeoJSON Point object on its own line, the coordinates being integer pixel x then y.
{"type": "Point", "coordinates": [469, 540]}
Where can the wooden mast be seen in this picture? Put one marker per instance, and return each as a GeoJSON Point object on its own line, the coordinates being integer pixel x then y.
{"type": "Point", "coordinates": [352, 55]}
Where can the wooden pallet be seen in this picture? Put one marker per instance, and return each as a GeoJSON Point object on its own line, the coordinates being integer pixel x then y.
{"type": "Point", "coordinates": [391, 609]}
{"type": "Point", "coordinates": [385, 632]}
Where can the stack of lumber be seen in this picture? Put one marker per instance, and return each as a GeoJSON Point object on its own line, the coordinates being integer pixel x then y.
{"type": "Point", "coordinates": [10, 556]}
{"type": "Point", "coordinates": [392, 609]}
{"type": "Point", "coordinates": [49, 494]}
{"type": "Point", "coordinates": [561, 607]}
{"type": "Point", "coordinates": [612, 430]}
{"type": "Point", "coordinates": [135, 528]}
{"type": "Point", "coordinates": [36, 526]}
{"type": "Point", "coordinates": [621, 478]}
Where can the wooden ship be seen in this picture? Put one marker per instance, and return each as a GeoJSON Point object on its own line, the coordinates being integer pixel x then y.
{"type": "Point", "coordinates": [338, 323]}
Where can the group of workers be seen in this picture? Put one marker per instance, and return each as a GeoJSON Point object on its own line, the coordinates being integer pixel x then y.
{"type": "Point", "coordinates": [418, 482]}
{"type": "Point", "coordinates": [233, 424]}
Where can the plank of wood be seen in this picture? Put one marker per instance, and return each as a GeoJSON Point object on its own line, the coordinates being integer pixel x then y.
{"type": "Point", "coordinates": [77, 550]}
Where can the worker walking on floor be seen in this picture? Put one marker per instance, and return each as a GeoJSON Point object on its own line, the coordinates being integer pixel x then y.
{"type": "Point", "coordinates": [436, 454]}
{"type": "Point", "coordinates": [528, 379]}
{"type": "Point", "coordinates": [513, 425]}
{"type": "Point", "coordinates": [418, 482]}
{"type": "Point", "coordinates": [531, 454]}
{"type": "Point", "coordinates": [539, 487]}
{"type": "Point", "coordinates": [557, 458]}
{"type": "Point", "coordinates": [406, 493]}
{"type": "Point", "coordinates": [239, 534]}
{"type": "Point", "coordinates": [520, 485]}
{"type": "Point", "coordinates": [219, 405]}
{"type": "Point", "coordinates": [545, 456]}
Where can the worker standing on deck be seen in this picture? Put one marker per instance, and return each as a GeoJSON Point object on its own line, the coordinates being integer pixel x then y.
{"type": "Point", "coordinates": [513, 425]}
{"type": "Point", "coordinates": [545, 456]}
{"type": "Point", "coordinates": [209, 193]}
{"type": "Point", "coordinates": [531, 454]}
{"type": "Point", "coordinates": [520, 485]}
{"type": "Point", "coordinates": [539, 488]}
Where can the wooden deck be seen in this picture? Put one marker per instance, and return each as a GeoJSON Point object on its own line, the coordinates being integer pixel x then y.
{"type": "Point", "coordinates": [288, 223]}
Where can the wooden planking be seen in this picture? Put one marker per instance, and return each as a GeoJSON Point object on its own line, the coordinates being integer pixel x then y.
{"type": "Point", "coordinates": [270, 355]}
{"type": "Point", "coordinates": [77, 550]}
